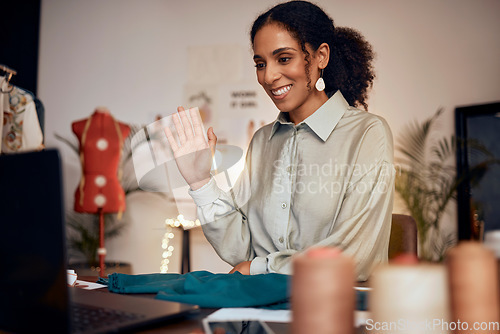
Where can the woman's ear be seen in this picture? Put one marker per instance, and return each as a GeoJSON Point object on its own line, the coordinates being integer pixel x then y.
{"type": "Point", "coordinates": [323, 55]}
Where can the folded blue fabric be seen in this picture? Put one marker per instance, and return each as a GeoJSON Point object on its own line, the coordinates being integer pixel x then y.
{"type": "Point", "coordinates": [271, 291]}
{"type": "Point", "coordinates": [208, 289]}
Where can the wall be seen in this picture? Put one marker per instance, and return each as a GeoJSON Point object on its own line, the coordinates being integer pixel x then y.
{"type": "Point", "coordinates": [131, 56]}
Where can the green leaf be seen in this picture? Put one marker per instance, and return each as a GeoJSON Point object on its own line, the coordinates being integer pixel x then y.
{"type": "Point", "coordinates": [74, 146]}
{"type": "Point", "coordinates": [427, 181]}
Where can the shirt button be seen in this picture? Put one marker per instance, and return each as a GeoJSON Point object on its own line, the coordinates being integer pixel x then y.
{"type": "Point", "coordinates": [283, 205]}
{"type": "Point", "coordinates": [281, 240]}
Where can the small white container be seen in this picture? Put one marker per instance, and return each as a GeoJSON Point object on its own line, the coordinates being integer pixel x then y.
{"type": "Point", "coordinates": [71, 277]}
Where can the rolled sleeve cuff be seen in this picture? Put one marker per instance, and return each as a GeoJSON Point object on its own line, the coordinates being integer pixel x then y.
{"type": "Point", "coordinates": [207, 194]}
{"type": "Point", "coordinates": [258, 266]}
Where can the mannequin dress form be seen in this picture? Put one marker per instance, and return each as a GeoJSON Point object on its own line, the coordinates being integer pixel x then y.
{"type": "Point", "coordinates": [101, 140]}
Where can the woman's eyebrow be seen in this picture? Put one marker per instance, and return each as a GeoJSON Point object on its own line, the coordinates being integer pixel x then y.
{"type": "Point", "coordinates": [275, 52]}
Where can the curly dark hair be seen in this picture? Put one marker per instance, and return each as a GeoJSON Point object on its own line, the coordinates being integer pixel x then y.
{"type": "Point", "coordinates": [349, 68]}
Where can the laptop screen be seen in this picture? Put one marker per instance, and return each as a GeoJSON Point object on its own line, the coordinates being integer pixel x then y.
{"type": "Point", "coordinates": [33, 293]}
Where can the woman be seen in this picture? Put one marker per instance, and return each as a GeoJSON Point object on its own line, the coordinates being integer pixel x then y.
{"type": "Point", "coordinates": [321, 174]}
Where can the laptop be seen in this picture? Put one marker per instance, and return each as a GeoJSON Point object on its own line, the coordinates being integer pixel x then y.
{"type": "Point", "coordinates": [34, 296]}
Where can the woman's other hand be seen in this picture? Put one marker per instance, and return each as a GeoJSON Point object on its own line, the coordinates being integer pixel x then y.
{"type": "Point", "coordinates": [193, 155]}
{"type": "Point", "coordinates": [243, 268]}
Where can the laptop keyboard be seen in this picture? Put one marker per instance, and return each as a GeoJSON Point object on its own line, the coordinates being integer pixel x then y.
{"type": "Point", "coordinates": [88, 318]}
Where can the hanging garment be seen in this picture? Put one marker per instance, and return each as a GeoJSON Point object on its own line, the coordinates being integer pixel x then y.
{"type": "Point", "coordinates": [40, 110]}
{"type": "Point", "coordinates": [4, 105]}
{"type": "Point", "coordinates": [21, 128]}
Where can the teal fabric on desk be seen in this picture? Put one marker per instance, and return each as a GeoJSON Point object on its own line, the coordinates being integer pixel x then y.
{"type": "Point", "coordinates": [207, 289]}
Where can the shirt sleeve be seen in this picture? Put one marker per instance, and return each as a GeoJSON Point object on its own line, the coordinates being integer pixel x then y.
{"type": "Point", "coordinates": [223, 219]}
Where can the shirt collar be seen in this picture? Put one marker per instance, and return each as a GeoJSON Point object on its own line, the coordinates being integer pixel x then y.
{"type": "Point", "coordinates": [323, 120]}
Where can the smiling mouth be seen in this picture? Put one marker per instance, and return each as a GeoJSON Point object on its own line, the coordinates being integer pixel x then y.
{"type": "Point", "coordinates": [281, 91]}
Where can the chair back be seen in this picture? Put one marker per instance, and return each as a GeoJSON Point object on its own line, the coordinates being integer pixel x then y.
{"type": "Point", "coordinates": [403, 238]}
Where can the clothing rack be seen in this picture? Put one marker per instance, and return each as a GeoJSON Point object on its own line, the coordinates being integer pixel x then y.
{"type": "Point", "coordinates": [20, 131]}
{"type": "Point", "coordinates": [9, 71]}
{"type": "Point", "coordinates": [8, 74]}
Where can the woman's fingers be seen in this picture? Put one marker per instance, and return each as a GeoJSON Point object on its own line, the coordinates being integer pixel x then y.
{"type": "Point", "coordinates": [195, 117]}
{"type": "Point", "coordinates": [189, 135]}
{"type": "Point", "coordinates": [178, 127]}
{"type": "Point", "coordinates": [212, 139]}
{"type": "Point", "coordinates": [171, 139]}
{"type": "Point", "coordinates": [188, 131]}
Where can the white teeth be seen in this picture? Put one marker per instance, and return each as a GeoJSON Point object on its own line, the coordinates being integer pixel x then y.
{"type": "Point", "coordinates": [281, 91]}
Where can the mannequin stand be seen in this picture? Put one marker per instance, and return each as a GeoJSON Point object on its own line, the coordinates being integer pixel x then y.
{"type": "Point", "coordinates": [101, 250]}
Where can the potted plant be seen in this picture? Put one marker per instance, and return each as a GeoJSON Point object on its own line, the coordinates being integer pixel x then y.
{"type": "Point", "coordinates": [427, 181]}
{"type": "Point", "coordinates": [82, 236]}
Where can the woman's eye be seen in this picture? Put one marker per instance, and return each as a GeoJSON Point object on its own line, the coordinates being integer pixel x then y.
{"type": "Point", "coordinates": [260, 65]}
{"type": "Point", "coordinates": [284, 59]}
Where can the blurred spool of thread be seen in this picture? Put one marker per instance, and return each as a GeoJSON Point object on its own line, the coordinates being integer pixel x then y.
{"type": "Point", "coordinates": [409, 299]}
{"type": "Point", "coordinates": [473, 277]}
{"type": "Point", "coordinates": [323, 295]}
{"type": "Point", "coordinates": [492, 241]}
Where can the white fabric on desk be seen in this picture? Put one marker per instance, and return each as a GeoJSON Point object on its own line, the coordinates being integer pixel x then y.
{"type": "Point", "coordinates": [244, 314]}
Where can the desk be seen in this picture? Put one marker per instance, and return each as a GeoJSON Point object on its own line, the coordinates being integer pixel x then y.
{"type": "Point", "coordinates": [191, 323]}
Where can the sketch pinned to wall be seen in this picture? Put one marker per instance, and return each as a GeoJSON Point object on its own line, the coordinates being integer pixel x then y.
{"type": "Point", "coordinates": [203, 100]}
{"type": "Point", "coordinates": [248, 103]}
{"type": "Point", "coordinates": [233, 107]}
{"type": "Point", "coordinates": [243, 99]}
{"type": "Point", "coordinates": [211, 64]}
{"type": "Point", "coordinates": [252, 127]}
{"type": "Point", "coordinates": [205, 97]}
{"type": "Point", "coordinates": [250, 130]}
{"type": "Point", "coordinates": [235, 111]}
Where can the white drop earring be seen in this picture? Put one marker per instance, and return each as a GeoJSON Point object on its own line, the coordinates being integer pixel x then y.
{"type": "Point", "coordinates": [320, 84]}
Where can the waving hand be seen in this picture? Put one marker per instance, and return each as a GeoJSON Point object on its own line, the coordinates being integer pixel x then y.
{"type": "Point", "coordinates": [193, 155]}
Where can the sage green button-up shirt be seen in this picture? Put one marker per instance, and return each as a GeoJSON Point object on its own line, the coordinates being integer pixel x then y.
{"type": "Point", "coordinates": [327, 181]}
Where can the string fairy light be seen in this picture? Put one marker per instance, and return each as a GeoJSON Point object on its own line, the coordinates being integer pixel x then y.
{"type": "Point", "coordinates": [170, 224]}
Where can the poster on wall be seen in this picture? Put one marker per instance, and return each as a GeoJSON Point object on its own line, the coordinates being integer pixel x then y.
{"type": "Point", "coordinates": [235, 111]}
{"type": "Point", "coordinates": [214, 64]}
{"type": "Point", "coordinates": [234, 107]}
{"type": "Point", "coordinates": [244, 108]}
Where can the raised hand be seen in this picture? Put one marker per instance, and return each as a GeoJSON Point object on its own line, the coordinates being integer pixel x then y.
{"type": "Point", "coordinates": [193, 155]}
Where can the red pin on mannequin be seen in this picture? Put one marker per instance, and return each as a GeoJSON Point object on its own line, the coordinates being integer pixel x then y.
{"type": "Point", "coordinates": [101, 140]}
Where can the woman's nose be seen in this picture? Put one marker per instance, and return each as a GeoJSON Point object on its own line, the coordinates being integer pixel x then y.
{"type": "Point", "coordinates": [272, 74]}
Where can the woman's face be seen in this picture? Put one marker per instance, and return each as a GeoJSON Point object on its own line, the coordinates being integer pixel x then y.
{"type": "Point", "coordinates": [281, 71]}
